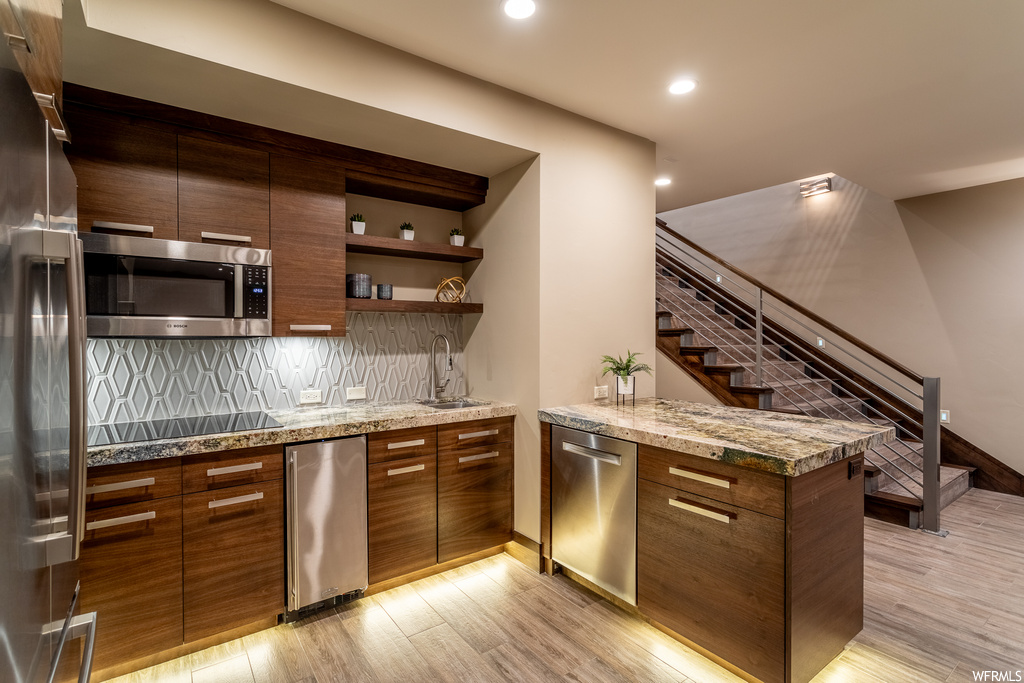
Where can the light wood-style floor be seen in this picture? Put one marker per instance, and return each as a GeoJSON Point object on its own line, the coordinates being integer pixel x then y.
{"type": "Point", "coordinates": [936, 609]}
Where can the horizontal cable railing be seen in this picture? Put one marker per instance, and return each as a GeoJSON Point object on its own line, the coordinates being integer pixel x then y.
{"type": "Point", "coordinates": [779, 340]}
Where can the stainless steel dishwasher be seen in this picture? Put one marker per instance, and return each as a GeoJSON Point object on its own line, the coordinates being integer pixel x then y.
{"type": "Point", "coordinates": [326, 496]}
{"type": "Point", "coordinates": [593, 509]}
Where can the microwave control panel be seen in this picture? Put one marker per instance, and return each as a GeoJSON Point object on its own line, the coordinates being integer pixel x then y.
{"type": "Point", "coordinates": [256, 292]}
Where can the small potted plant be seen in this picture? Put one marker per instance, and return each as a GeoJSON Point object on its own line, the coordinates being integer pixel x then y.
{"type": "Point", "coordinates": [456, 237]}
{"type": "Point", "coordinates": [406, 231]}
{"type": "Point", "coordinates": [358, 224]}
{"type": "Point", "coordinates": [624, 370]}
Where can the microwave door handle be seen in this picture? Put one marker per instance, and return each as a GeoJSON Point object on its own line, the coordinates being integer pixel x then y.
{"type": "Point", "coordinates": [239, 313]}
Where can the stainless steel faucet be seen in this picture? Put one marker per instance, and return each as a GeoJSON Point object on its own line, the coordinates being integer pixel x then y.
{"type": "Point", "coordinates": [436, 389]}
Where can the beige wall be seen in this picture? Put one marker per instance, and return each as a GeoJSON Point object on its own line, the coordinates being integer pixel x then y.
{"type": "Point", "coordinates": [934, 282]}
{"type": "Point", "coordinates": [583, 277]}
{"type": "Point", "coordinates": [674, 382]}
{"type": "Point", "coordinates": [503, 345]}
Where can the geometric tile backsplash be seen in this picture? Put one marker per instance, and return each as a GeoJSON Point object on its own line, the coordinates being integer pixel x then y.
{"type": "Point", "coordinates": [148, 379]}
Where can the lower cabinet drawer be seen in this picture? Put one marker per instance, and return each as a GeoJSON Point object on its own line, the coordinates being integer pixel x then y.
{"type": "Point", "coordinates": [133, 482]}
{"type": "Point", "coordinates": [474, 500]}
{"type": "Point", "coordinates": [714, 573]}
{"type": "Point", "coordinates": [130, 571]}
{"type": "Point", "coordinates": [238, 467]}
{"type": "Point", "coordinates": [233, 557]}
{"type": "Point", "coordinates": [402, 516]}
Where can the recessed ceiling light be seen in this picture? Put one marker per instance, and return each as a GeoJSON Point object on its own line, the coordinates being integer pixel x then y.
{"type": "Point", "coordinates": [682, 87]}
{"type": "Point", "coordinates": [519, 9]}
{"type": "Point", "coordinates": [662, 182]}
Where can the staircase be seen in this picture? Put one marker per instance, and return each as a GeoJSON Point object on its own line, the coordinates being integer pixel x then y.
{"type": "Point", "coordinates": [710, 332]}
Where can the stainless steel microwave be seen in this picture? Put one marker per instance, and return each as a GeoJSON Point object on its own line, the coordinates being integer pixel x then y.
{"type": "Point", "coordinates": [143, 287]}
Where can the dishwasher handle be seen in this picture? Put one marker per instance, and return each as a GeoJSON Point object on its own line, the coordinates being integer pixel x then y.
{"type": "Point", "coordinates": [603, 456]}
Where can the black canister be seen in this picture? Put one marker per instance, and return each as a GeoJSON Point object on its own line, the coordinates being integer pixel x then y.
{"type": "Point", "coordinates": [357, 286]}
{"type": "Point", "coordinates": [383, 291]}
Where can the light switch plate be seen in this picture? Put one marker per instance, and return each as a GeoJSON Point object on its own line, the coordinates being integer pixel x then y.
{"type": "Point", "coordinates": [311, 396]}
{"type": "Point", "coordinates": [944, 416]}
{"type": "Point", "coordinates": [601, 391]}
{"type": "Point", "coordinates": [353, 393]}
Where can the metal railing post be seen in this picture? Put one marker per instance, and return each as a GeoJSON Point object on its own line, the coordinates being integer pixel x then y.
{"type": "Point", "coordinates": [932, 458]}
{"type": "Point", "coordinates": [760, 330]}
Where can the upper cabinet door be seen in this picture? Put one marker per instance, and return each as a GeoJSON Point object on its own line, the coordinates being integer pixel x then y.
{"type": "Point", "coordinates": [127, 174]}
{"type": "Point", "coordinates": [307, 214]}
{"type": "Point", "coordinates": [223, 194]}
{"type": "Point", "coordinates": [34, 30]}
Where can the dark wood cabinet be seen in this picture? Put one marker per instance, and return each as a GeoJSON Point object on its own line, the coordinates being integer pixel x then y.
{"type": "Point", "coordinates": [223, 193]}
{"type": "Point", "coordinates": [474, 499]}
{"type": "Point", "coordinates": [34, 31]}
{"type": "Point", "coordinates": [307, 235]}
{"type": "Point", "coordinates": [399, 444]}
{"type": "Point", "coordinates": [132, 482]}
{"type": "Point", "coordinates": [164, 569]}
{"type": "Point", "coordinates": [233, 557]}
{"type": "Point", "coordinates": [223, 469]}
{"type": "Point", "coordinates": [402, 516]}
{"type": "Point", "coordinates": [127, 174]}
{"type": "Point", "coordinates": [130, 572]}
{"type": "Point", "coordinates": [715, 573]}
{"type": "Point", "coordinates": [762, 570]}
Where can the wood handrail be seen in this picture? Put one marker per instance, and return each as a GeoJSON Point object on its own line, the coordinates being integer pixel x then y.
{"type": "Point", "coordinates": [863, 346]}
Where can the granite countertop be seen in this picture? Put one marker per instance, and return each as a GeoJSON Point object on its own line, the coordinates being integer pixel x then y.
{"type": "Point", "coordinates": [773, 442]}
{"type": "Point", "coordinates": [302, 424]}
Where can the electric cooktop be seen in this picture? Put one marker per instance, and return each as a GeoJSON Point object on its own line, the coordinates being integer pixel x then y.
{"type": "Point", "coordinates": [125, 432]}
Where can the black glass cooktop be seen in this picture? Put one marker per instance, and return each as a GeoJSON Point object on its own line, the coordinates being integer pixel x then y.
{"type": "Point", "coordinates": [125, 432]}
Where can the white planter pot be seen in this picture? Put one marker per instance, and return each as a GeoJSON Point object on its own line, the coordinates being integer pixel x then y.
{"type": "Point", "coordinates": [457, 240]}
{"type": "Point", "coordinates": [359, 227]}
{"type": "Point", "coordinates": [407, 234]}
{"type": "Point", "coordinates": [625, 386]}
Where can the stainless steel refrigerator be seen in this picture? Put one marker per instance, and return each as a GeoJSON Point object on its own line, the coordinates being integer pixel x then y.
{"type": "Point", "coordinates": [42, 402]}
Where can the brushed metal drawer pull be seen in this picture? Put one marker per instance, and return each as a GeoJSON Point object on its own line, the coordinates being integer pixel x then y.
{"type": "Point", "coordinates": [473, 435]}
{"type": "Point", "coordinates": [699, 475]}
{"type": "Point", "coordinates": [244, 239]}
{"type": "Point", "coordinates": [603, 456]}
{"type": "Point", "coordinates": [705, 510]}
{"type": "Point", "coordinates": [309, 328]}
{"type": "Point", "coordinates": [120, 486]}
{"type": "Point", "coordinates": [406, 470]}
{"type": "Point", "coordinates": [126, 227]}
{"type": "Point", "coordinates": [118, 521]}
{"type": "Point", "coordinates": [481, 456]}
{"type": "Point", "coordinates": [236, 500]}
{"type": "Point", "coordinates": [233, 469]}
{"type": "Point", "coordinates": [406, 444]}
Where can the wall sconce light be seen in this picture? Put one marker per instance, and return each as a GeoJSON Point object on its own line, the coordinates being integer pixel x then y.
{"type": "Point", "coordinates": [809, 188]}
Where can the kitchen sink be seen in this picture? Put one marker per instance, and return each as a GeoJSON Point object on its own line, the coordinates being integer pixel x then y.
{"type": "Point", "coordinates": [452, 403]}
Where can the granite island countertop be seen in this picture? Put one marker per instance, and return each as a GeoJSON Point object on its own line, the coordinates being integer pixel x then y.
{"type": "Point", "coordinates": [772, 442]}
{"type": "Point", "coordinates": [302, 424]}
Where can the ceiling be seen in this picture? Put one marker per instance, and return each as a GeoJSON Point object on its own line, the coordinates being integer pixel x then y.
{"type": "Point", "coordinates": [904, 97]}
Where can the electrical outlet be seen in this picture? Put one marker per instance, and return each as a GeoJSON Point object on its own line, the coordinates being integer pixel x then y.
{"type": "Point", "coordinates": [601, 391]}
{"type": "Point", "coordinates": [944, 416]}
{"type": "Point", "coordinates": [311, 396]}
{"type": "Point", "coordinates": [353, 393]}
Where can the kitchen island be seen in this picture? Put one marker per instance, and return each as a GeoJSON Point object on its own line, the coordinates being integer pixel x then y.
{"type": "Point", "coordinates": [749, 526]}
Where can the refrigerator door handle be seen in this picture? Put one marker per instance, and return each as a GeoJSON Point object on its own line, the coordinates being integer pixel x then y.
{"type": "Point", "coordinates": [75, 283]}
{"type": "Point", "coordinates": [83, 625]}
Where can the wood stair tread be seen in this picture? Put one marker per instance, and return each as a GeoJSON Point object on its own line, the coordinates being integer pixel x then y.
{"type": "Point", "coordinates": [673, 331]}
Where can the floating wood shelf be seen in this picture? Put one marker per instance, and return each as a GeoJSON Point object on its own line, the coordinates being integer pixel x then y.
{"type": "Point", "coordinates": [391, 246]}
{"type": "Point", "coordinates": [396, 306]}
